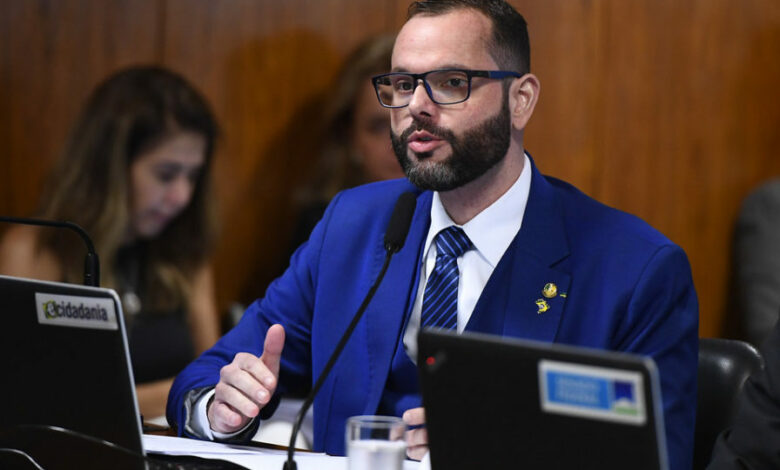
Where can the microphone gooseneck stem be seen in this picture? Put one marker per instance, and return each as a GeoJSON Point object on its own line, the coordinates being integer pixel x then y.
{"type": "Point", "coordinates": [290, 463]}
{"type": "Point", "coordinates": [395, 237]}
{"type": "Point", "coordinates": [91, 262]}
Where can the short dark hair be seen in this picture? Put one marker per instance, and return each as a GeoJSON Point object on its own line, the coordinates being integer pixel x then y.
{"type": "Point", "coordinates": [509, 45]}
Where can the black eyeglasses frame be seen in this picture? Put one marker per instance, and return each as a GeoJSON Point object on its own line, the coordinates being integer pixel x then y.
{"type": "Point", "coordinates": [418, 77]}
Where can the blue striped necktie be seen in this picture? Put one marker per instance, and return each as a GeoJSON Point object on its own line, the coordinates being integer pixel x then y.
{"type": "Point", "coordinates": [440, 302]}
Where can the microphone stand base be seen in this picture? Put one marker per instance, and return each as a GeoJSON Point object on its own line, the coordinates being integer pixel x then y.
{"type": "Point", "coordinates": [290, 465]}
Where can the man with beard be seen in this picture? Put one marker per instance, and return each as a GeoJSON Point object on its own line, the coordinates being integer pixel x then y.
{"type": "Point", "coordinates": [494, 247]}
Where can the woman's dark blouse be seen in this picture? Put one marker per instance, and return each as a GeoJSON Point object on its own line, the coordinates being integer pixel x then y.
{"type": "Point", "coordinates": [160, 343]}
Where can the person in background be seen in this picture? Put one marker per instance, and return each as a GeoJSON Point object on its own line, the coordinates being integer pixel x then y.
{"type": "Point", "coordinates": [356, 146]}
{"type": "Point", "coordinates": [753, 439]}
{"type": "Point", "coordinates": [757, 262]}
{"type": "Point", "coordinates": [135, 175]}
{"type": "Point", "coordinates": [354, 149]}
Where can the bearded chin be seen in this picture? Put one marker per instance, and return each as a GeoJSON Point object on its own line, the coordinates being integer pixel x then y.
{"type": "Point", "coordinates": [474, 153]}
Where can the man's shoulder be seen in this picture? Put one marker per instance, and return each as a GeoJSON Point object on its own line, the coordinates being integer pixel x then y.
{"type": "Point", "coordinates": [596, 223]}
{"type": "Point", "coordinates": [373, 198]}
{"type": "Point", "coordinates": [363, 210]}
{"type": "Point", "coordinates": [380, 191]}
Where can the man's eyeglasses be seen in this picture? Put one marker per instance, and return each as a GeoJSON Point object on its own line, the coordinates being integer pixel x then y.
{"type": "Point", "coordinates": [449, 86]}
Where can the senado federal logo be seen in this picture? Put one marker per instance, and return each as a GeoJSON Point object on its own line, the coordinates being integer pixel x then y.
{"type": "Point", "coordinates": [592, 392]}
{"type": "Point", "coordinates": [76, 312]}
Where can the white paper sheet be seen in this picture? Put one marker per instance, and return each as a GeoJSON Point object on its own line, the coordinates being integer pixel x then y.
{"type": "Point", "coordinates": [249, 457]}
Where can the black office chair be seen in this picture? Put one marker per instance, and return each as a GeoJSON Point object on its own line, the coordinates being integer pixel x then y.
{"type": "Point", "coordinates": [724, 365]}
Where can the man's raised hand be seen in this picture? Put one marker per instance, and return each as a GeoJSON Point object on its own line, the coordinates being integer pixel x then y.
{"type": "Point", "coordinates": [246, 385]}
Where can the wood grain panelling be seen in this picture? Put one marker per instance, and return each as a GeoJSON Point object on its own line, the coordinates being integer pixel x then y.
{"type": "Point", "coordinates": [5, 109]}
{"type": "Point", "coordinates": [266, 66]}
{"type": "Point", "coordinates": [54, 54]}
{"type": "Point", "coordinates": [566, 55]}
{"type": "Point", "coordinates": [674, 134]}
{"type": "Point", "coordinates": [663, 108]}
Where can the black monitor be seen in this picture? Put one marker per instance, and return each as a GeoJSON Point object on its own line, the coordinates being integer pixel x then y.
{"type": "Point", "coordinates": [493, 402]}
{"type": "Point", "coordinates": [66, 373]}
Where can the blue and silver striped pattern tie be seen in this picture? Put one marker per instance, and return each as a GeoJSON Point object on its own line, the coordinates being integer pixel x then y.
{"type": "Point", "coordinates": [440, 302]}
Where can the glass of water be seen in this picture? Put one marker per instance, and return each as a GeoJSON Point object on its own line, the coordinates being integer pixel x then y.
{"type": "Point", "coordinates": [376, 443]}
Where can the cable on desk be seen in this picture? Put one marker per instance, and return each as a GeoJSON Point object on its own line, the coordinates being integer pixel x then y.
{"type": "Point", "coordinates": [23, 454]}
{"type": "Point", "coordinates": [84, 437]}
{"type": "Point", "coordinates": [158, 462]}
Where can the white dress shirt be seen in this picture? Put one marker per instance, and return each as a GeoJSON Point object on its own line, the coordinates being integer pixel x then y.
{"type": "Point", "coordinates": [491, 231]}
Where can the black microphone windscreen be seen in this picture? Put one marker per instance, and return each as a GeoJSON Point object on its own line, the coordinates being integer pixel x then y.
{"type": "Point", "coordinates": [400, 220]}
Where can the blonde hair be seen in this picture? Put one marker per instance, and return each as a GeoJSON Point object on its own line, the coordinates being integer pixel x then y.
{"type": "Point", "coordinates": [128, 114]}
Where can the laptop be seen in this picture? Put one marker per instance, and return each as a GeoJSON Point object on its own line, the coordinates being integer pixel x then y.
{"type": "Point", "coordinates": [67, 382]}
{"type": "Point", "coordinates": [494, 402]}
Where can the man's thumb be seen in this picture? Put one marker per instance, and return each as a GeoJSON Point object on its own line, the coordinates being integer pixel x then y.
{"type": "Point", "coordinates": [272, 348]}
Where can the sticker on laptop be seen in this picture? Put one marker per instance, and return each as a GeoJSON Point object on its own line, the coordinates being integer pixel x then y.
{"type": "Point", "coordinates": [592, 392]}
{"type": "Point", "coordinates": [76, 312]}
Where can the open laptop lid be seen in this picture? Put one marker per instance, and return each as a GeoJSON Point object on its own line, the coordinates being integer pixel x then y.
{"type": "Point", "coordinates": [64, 361]}
{"type": "Point", "coordinates": [493, 402]}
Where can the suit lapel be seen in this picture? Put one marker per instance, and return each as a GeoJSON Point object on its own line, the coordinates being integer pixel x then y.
{"type": "Point", "coordinates": [389, 310]}
{"type": "Point", "coordinates": [515, 302]}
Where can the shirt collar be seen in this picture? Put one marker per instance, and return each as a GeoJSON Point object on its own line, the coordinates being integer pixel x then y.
{"type": "Point", "coordinates": [492, 230]}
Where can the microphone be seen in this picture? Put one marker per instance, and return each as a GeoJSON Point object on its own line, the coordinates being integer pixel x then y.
{"type": "Point", "coordinates": [91, 262]}
{"type": "Point", "coordinates": [395, 237]}
{"type": "Point", "coordinates": [400, 220]}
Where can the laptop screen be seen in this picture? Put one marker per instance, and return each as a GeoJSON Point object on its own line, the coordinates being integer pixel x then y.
{"type": "Point", "coordinates": [505, 403]}
{"type": "Point", "coordinates": [65, 362]}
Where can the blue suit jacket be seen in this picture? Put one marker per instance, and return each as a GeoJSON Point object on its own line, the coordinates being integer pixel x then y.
{"type": "Point", "coordinates": [627, 287]}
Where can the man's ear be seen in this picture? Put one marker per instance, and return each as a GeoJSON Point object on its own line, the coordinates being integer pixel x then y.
{"type": "Point", "coordinates": [523, 93]}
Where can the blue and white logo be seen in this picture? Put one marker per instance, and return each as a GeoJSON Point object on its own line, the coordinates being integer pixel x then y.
{"type": "Point", "coordinates": [592, 392]}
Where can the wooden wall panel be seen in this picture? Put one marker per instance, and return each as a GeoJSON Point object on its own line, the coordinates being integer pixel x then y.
{"type": "Point", "coordinates": [53, 54]}
{"type": "Point", "coordinates": [566, 55]}
{"type": "Point", "coordinates": [266, 67]}
{"type": "Point", "coordinates": [663, 108]}
{"type": "Point", "coordinates": [679, 115]}
{"type": "Point", "coordinates": [5, 108]}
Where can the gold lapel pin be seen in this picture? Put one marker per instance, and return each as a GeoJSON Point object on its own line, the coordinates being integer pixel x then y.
{"type": "Point", "coordinates": [543, 306]}
{"type": "Point", "coordinates": [550, 290]}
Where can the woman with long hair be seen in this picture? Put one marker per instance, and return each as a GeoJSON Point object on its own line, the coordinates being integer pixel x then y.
{"type": "Point", "coordinates": [135, 175]}
{"type": "Point", "coordinates": [356, 146]}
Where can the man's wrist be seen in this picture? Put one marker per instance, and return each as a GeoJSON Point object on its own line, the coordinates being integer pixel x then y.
{"type": "Point", "coordinates": [201, 423]}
